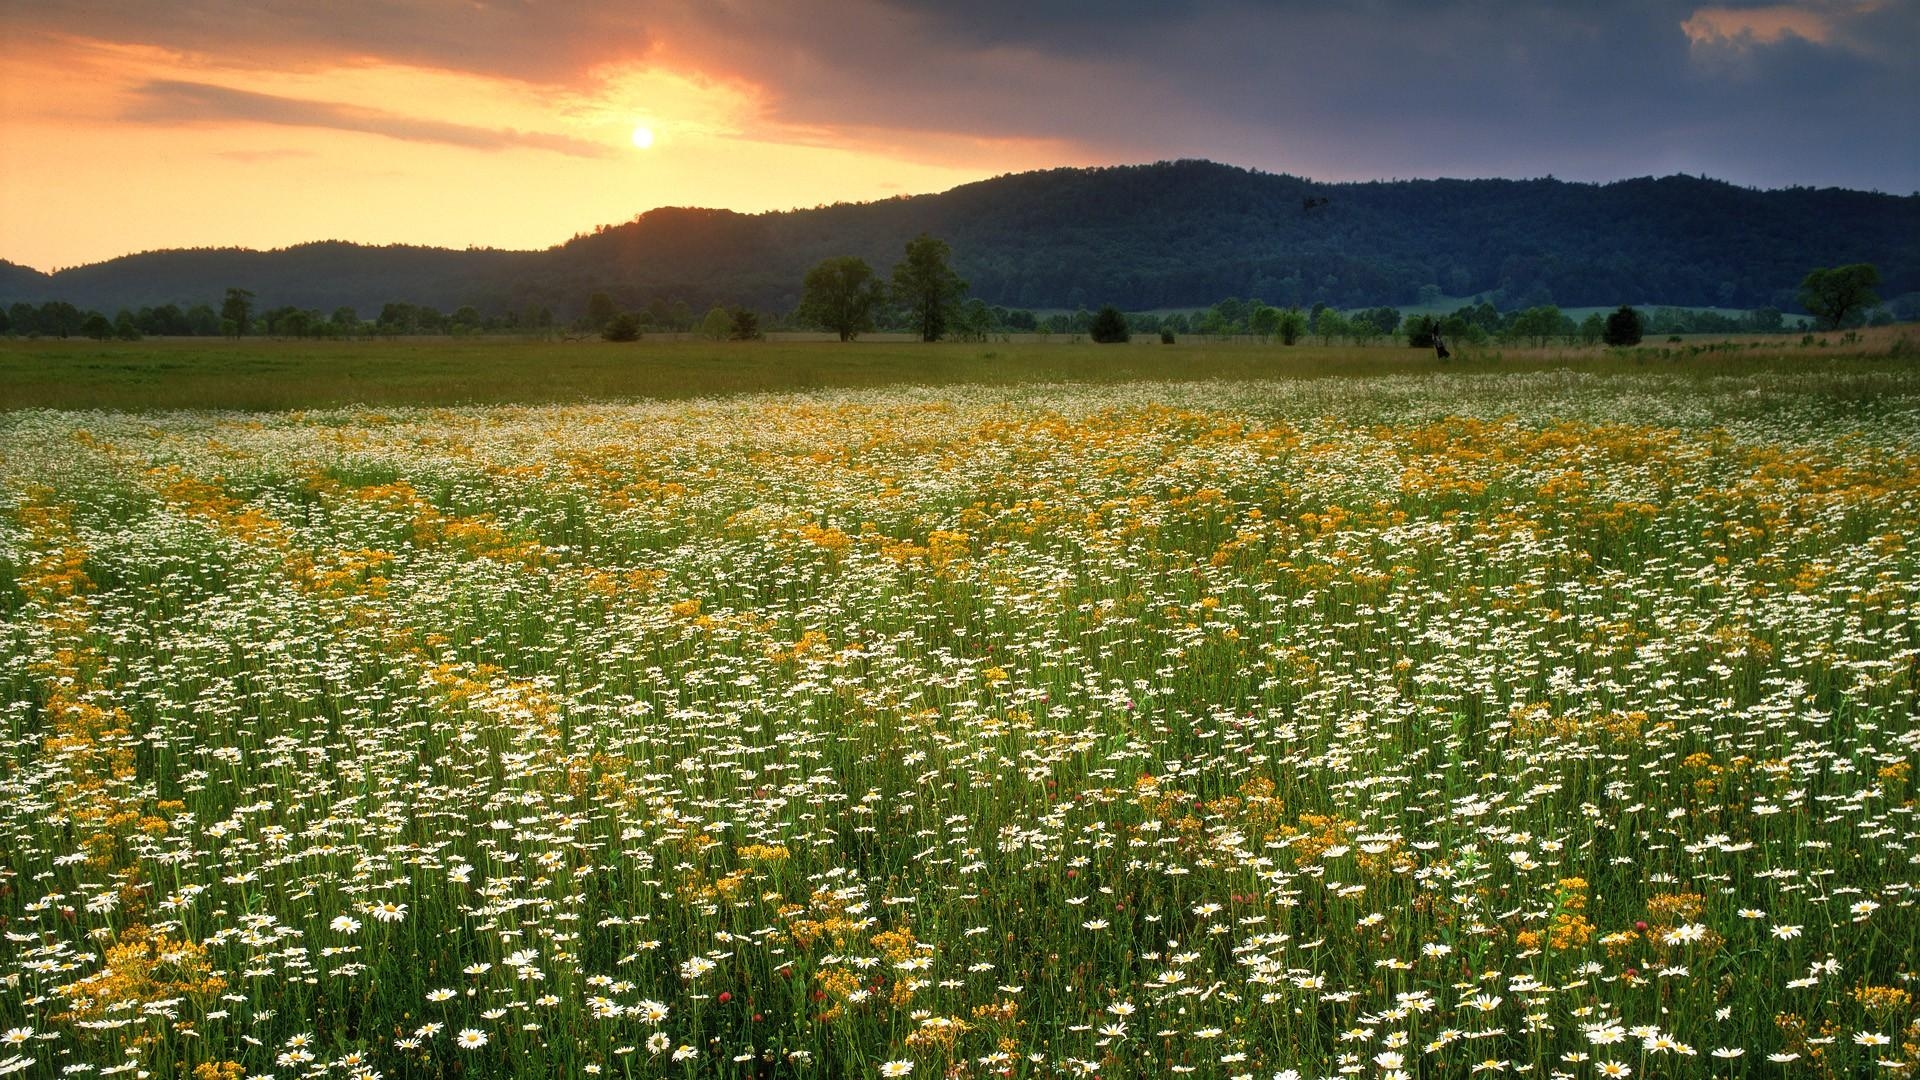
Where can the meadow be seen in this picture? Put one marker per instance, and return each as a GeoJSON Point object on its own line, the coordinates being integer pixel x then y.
{"type": "Point", "coordinates": [274, 374]}
{"type": "Point", "coordinates": [1526, 717]}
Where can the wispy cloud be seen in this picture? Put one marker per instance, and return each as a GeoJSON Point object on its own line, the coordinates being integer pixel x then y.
{"type": "Point", "coordinates": [167, 101]}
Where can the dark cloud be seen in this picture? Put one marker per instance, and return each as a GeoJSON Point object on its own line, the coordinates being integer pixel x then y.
{"type": "Point", "coordinates": [1373, 88]}
{"type": "Point", "coordinates": [166, 101]}
{"type": "Point", "coordinates": [1365, 88]}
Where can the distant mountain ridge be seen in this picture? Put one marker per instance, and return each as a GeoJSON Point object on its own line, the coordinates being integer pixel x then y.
{"type": "Point", "coordinates": [1172, 234]}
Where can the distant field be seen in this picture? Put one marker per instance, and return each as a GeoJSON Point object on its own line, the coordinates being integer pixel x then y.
{"type": "Point", "coordinates": [1447, 305]}
{"type": "Point", "coordinates": [270, 375]}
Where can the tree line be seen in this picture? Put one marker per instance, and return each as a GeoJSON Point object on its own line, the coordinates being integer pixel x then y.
{"type": "Point", "coordinates": [924, 295]}
{"type": "Point", "coordinates": [239, 316]}
{"type": "Point", "coordinates": [844, 296]}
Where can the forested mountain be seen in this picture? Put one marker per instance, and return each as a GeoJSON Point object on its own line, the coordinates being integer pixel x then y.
{"type": "Point", "coordinates": [24, 281]}
{"type": "Point", "coordinates": [1153, 236]}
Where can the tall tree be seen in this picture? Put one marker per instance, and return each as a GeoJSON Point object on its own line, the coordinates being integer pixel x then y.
{"type": "Point", "coordinates": [238, 308]}
{"type": "Point", "coordinates": [1834, 295]}
{"type": "Point", "coordinates": [927, 287]}
{"type": "Point", "coordinates": [1292, 326]}
{"type": "Point", "coordinates": [840, 295]}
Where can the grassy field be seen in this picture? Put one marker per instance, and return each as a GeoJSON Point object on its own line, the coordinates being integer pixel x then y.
{"type": "Point", "coordinates": [272, 375]}
{"type": "Point", "coordinates": [1550, 716]}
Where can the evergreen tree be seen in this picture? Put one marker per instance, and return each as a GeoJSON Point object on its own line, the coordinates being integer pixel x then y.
{"type": "Point", "coordinates": [1109, 327]}
{"type": "Point", "coordinates": [622, 327]}
{"type": "Point", "coordinates": [1624, 327]}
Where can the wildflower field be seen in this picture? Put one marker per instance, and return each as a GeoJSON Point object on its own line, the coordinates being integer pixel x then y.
{"type": "Point", "coordinates": [1428, 724]}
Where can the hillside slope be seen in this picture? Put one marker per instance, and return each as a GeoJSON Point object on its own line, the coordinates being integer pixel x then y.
{"type": "Point", "coordinates": [1172, 234]}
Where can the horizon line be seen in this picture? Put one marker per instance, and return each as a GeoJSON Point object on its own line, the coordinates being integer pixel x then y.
{"type": "Point", "coordinates": [1255, 170]}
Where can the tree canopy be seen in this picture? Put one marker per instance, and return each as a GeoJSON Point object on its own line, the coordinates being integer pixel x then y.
{"type": "Point", "coordinates": [1624, 327]}
{"type": "Point", "coordinates": [840, 295]}
{"type": "Point", "coordinates": [927, 287]}
{"type": "Point", "coordinates": [622, 327]}
{"type": "Point", "coordinates": [1836, 294]}
{"type": "Point", "coordinates": [237, 309]}
{"type": "Point", "coordinates": [600, 310]}
{"type": "Point", "coordinates": [1109, 326]}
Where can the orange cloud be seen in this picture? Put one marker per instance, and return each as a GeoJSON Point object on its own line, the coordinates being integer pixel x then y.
{"type": "Point", "coordinates": [170, 101]}
{"type": "Point", "coordinates": [1747, 26]}
{"type": "Point", "coordinates": [1713, 26]}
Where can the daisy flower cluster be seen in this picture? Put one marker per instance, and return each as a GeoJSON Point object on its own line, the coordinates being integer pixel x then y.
{"type": "Point", "coordinates": [1549, 724]}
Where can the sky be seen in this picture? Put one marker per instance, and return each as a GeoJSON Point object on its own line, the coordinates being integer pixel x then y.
{"type": "Point", "coordinates": [132, 125]}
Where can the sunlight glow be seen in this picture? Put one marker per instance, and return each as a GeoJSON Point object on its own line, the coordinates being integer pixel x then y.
{"type": "Point", "coordinates": [643, 136]}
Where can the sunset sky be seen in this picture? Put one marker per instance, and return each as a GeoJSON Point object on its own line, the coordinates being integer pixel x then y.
{"type": "Point", "coordinates": [128, 125]}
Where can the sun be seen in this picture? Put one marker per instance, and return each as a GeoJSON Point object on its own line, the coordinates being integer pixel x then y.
{"type": "Point", "coordinates": [643, 136]}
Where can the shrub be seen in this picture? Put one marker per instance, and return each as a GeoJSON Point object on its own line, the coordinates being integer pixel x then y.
{"type": "Point", "coordinates": [622, 327]}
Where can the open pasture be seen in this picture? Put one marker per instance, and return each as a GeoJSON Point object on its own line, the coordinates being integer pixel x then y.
{"type": "Point", "coordinates": [1419, 723]}
{"type": "Point", "coordinates": [270, 375]}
